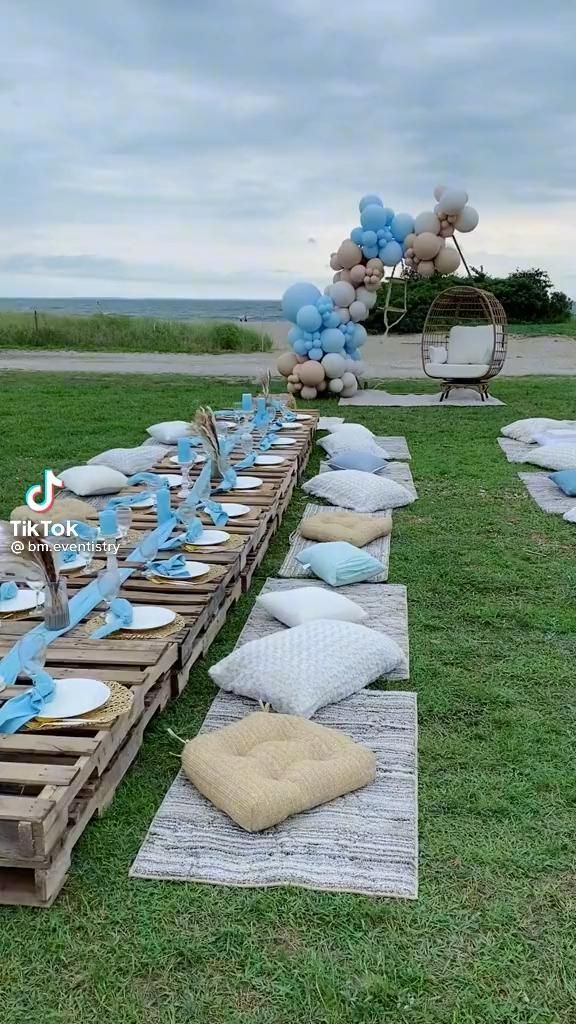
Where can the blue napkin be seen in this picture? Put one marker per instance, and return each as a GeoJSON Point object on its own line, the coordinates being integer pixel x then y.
{"type": "Point", "coordinates": [121, 614]}
{"type": "Point", "coordinates": [172, 568]}
{"type": "Point", "coordinates": [19, 710]}
{"type": "Point", "coordinates": [216, 512]}
{"type": "Point", "coordinates": [266, 442]}
{"type": "Point", "coordinates": [160, 534]}
{"type": "Point", "coordinates": [148, 478]}
{"type": "Point", "coordinates": [83, 530]}
{"type": "Point", "coordinates": [125, 500]}
{"type": "Point", "coordinates": [193, 530]}
{"type": "Point", "coordinates": [8, 591]}
{"type": "Point", "coordinates": [67, 555]}
{"type": "Point", "coordinates": [227, 482]}
{"type": "Point", "coordinates": [246, 462]}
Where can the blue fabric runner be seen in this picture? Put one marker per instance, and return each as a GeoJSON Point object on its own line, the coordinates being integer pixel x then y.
{"type": "Point", "coordinates": [121, 614]}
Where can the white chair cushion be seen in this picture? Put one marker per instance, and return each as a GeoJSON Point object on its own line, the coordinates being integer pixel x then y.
{"type": "Point", "coordinates": [305, 604]}
{"type": "Point", "coordinates": [527, 430]}
{"type": "Point", "coordinates": [92, 480]}
{"type": "Point", "coordinates": [457, 371]}
{"type": "Point", "coordinates": [553, 456]}
{"type": "Point", "coordinates": [470, 344]}
{"type": "Point", "coordinates": [302, 669]}
{"type": "Point", "coordinates": [362, 492]}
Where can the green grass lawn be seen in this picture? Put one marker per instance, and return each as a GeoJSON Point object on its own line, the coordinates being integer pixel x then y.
{"type": "Point", "coordinates": [113, 333]}
{"type": "Point", "coordinates": [491, 584]}
{"type": "Point", "coordinates": [564, 327]}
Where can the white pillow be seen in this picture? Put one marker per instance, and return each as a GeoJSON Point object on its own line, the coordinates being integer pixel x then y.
{"type": "Point", "coordinates": [90, 480]}
{"type": "Point", "coordinates": [351, 441]}
{"type": "Point", "coordinates": [341, 428]}
{"type": "Point", "coordinates": [129, 460]}
{"type": "Point", "coordinates": [470, 344]}
{"type": "Point", "coordinates": [526, 430]}
{"type": "Point", "coordinates": [552, 456]}
{"type": "Point", "coordinates": [330, 422]}
{"type": "Point", "coordinates": [570, 516]}
{"type": "Point", "coordinates": [438, 354]}
{"type": "Point", "coordinates": [304, 604]}
{"type": "Point", "coordinates": [169, 432]}
{"type": "Point", "coordinates": [556, 437]}
{"type": "Point", "coordinates": [363, 492]}
{"type": "Point", "coordinates": [302, 669]}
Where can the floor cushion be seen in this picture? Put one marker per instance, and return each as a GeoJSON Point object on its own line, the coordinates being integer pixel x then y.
{"type": "Point", "coordinates": [457, 371]}
{"type": "Point", "coordinates": [304, 604]}
{"type": "Point", "coordinates": [266, 767]}
{"type": "Point", "coordinates": [355, 527]}
{"type": "Point", "coordinates": [349, 440]}
{"type": "Point", "coordinates": [362, 492]}
{"type": "Point", "coordinates": [129, 460]}
{"type": "Point", "coordinates": [91, 480]}
{"type": "Point", "coordinates": [550, 456]}
{"type": "Point", "coordinates": [556, 437]}
{"type": "Point", "coordinates": [565, 479]}
{"type": "Point", "coordinates": [302, 669]}
{"type": "Point", "coordinates": [170, 431]}
{"type": "Point", "coordinates": [62, 510]}
{"type": "Point", "coordinates": [366, 462]}
{"type": "Point", "coordinates": [339, 563]}
{"type": "Point", "coordinates": [527, 429]}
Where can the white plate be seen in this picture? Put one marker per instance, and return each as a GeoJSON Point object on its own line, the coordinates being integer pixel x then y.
{"type": "Point", "coordinates": [150, 616]}
{"type": "Point", "coordinates": [77, 563]}
{"type": "Point", "coordinates": [174, 479]}
{"type": "Point", "coordinates": [210, 537]}
{"type": "Point", "coordinates": [25, 598]}
{"type": "Point", "coordinates": [289, 426]}
{"type": "Point", "coordinates": [145, 503]}
{"type": "Point", "coordinates": [199, 458]}
{"type": "Point", "coordinates": [247, 483]}
{"type": "Point", "coordinates": [303, 416]}
{"type": "Point", "coordinates": [194, 569]}
{"type": "Point", "coordinates": [234, 511]}
{"type": "Point", "coordinates": [269, 460]}
{"type": "Point", "coordinates": [225, 423]}
{"type": "Point", "coordinates": [284, 441]}
{"type": "Point", "coordinates": [74, 697]}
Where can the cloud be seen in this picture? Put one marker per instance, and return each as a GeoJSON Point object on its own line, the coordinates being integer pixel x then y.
{"type": "Point", "coordinates": [185, 148]}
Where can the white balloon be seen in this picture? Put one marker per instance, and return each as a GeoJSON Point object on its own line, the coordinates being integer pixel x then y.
{"type": "Point", "coordinates": [334, 364]}
{"type": "Point", "coordinates": [348, 379]}
{"type": "Point", "coordinates": [347, 392]}
{"type": "Point", "coordinates": [337, 276]}
{"type": "Point", "coordinates": [467, 220]}
{"type": "Point", "coordinates": [344, 314]}
{"type": "Point", "coordinates": [335, 385]}
{"type": "Point", "coordinates": [358, 311]}
{"type": "Point", "coordinates": [342, 293]}
{"type": "Point", "coordinates": [439, 191]}
{"type": "Point", "coordinates": [453, 200]}
{"type": "Point", "coordinates": [427, 221]}
{"type": "Point", "coordinates": [368, 298]}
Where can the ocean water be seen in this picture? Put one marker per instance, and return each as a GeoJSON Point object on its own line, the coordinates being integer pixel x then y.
{"type": "Point", "coordinates": [156, 309]}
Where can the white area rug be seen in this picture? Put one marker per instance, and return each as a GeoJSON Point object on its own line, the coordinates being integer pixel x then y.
{"type": "Point", "coordinates": [379, 548]}
{"type": "Point", "coordinates": [398, 471]}
{"type": "Point", "coordinates": [365, 842]}
{"type": "Point", "coordinates": [515, 451]}
{"type": "Point", "coordinates": [547, 494]}
{"type": "Point", "coordinates": [386, 607]}
{"type": "Point", "coordinates": [461, 397]}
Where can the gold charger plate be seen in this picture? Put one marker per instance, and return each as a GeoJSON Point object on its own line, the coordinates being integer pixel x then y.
{"type": "Point", "coordinates": [132, 634]}
{"type": "Point", "coordinates": [119, 703]}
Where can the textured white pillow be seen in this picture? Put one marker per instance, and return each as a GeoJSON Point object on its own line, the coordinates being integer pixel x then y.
{"type": "Point", "coordinates": [358, 428]}
{"type": "Point", "coordinates": [302, 669]}
{"type": "Point", "coordinates": [351, 441]}
{"type": "Point", "coordinates": [90, 480]}
{"type": "Point", "coordinates": [330, 422]}
{"type": "Point", "coordinates": [470, 344]}
{"type": "Point", "coordinates": [438, 354]}
{"type": "Point", "coordinates": [129, 460]}
{"type": "Point", "coordinates": [552, 456]}
{"type": "Point", "coordinates": [169, 432]}
{"type": "Point", "coordinates": [305, 604]}
{"type": "Point", "coordinates": [363, 492]}
{"type": "Point", "coordinates": [556, 437]}
{"type": "Point", "coordinates": [526, 430]}
{"type": "Point", "coordinates": [570, 516]}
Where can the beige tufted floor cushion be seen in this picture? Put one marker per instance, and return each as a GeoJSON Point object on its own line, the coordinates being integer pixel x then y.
{"type": "Point", "coordinates": [267, 767]}
{"type": "Point", "coordinates": [355, 527]}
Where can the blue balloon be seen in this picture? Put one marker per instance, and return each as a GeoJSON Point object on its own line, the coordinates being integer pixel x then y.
{"type": "Point", "coordinates": [316, 353]}
{"type": "Point", "coordinates": [308, 344]}
{"type": "Point", "coordinates": [389, 214]}
{"type": "Point", "coordinates": [391, 254]}
{"type": "Point", "coordinates": [316, 336]}
{"type": "Point", "coordinates": [298, 295]}
{"type": "Point", "coordinates": [294, 334]}
{"type": "Point", "coordinates": [369, 200]}
{"type": "Point", "coordinates": [300, 347]}
{"type": "Point", "coordinates": [360, 335]}
{"type": "Point", "coordinates": [381, 233]}
{"type": "Point", "coordinates": [373, 217]}
{"type": "Point", "coordinates": [307, 335]}
{"type": "Point", "coordinates": [401, 226]}
{"type": "Point", "coordinates": [369, 238]}
{"type": "Point", "coordinates": [370, 251]}
{"type": "Point", "coordinates": [308, 318]}
{"type": "Point", "coordinates": [355, 354]}
{"type": "Point", "coordinates": [356, 235]}
{"type": "Point", "coordinates": [333, 320]}
{"type": "Point", "coordinates": [325, 304]}
{"type": "Point", "coordinates": [332, 340]}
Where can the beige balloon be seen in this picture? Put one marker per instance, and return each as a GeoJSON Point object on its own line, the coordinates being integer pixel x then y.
{"type": "Point", "coordinates": [286, 363]}
{"type": "Point", "coordinates": [308, 393]}
{"type": "Point", "coordinates": [349, 254]}
{"type": "Point", "coordinates": [337, 276]}
{"type": "Point", "coordinates": [311, 373]}
{"type": "Point", "coordinates": [409, 241]}
{"type": "Point", "coordinates": [334, 262]}
{"type": "Point", "coordinates": [427, 221]}
{"type": "Point", "coordinates": [426, 268]}
{"type": "Point", "coordinates": [447, 260]}
{"type": "Point", "coordinates": [345, 275]}
{"type": "Point", "coordinates": [357, 274]}
{"type": "Point", "coordinates": [375, 266]}
{"type": "Point", "coordinates": [427, 246]}
{"type": "Point", "coordinates": [322, 385]}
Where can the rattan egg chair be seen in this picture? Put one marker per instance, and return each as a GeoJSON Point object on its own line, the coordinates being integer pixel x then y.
{"type": "Point", "coordinates": [464, 340]}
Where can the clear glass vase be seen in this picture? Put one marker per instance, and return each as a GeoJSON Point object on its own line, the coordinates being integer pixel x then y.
{"type": "Point", "coordinates": [56, 611]}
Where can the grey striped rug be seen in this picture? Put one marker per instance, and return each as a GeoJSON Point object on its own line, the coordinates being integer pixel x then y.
{"type": "Point", "coordinates": [462, 396]}
{"type": "Point", "coordinates": [365, 842]}
{"type": "Point", "coordinates": [386, 607]}
{"type": "Point", "coordinates": [516, 451]}
{"type": "Point", "coordinates": [290, 568]}
{"type": "Point", "coordinates": [547, 494]}
{"type": "Point", "coordinates": [398, 471]}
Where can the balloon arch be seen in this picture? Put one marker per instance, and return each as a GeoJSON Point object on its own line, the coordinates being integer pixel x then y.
{"type": "Point", "coordinates": [327, 337]}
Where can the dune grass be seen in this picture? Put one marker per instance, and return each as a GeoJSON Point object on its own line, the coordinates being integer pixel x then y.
{"type": "Point", "coordinates": [114, 333]}
{"type": "Point", "coordinates": [565, 328]}
{"type": "Point", "coordinates": [492, 633]}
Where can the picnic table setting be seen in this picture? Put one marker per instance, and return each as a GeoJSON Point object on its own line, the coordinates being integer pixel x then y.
{"type": "Point", "coordinates": [102, 623]}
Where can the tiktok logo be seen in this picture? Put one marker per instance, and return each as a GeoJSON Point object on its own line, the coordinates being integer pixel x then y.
{"type": "Point", "coordinates": [40, 497]}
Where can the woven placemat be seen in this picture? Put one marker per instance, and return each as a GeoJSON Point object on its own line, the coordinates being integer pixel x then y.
{"type": "Point", "coordinates": [132, 634]}
{"type": "Point", "coordinates": [216, 572]}
{"type": "Point", "coordinates": [234, 542]}
{"type": "Point", "coordinates": [119, 703]}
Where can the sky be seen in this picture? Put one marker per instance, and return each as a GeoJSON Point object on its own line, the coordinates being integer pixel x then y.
{"type": "Point", "coordinates": [181, 148]}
